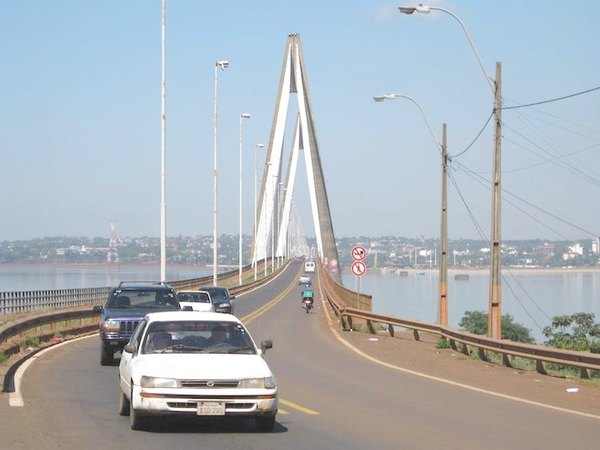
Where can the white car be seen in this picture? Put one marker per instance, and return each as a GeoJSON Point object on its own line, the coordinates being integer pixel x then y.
{"type": "Point", "coordinates": [304, 279]}
{"type": "Point", "coordinates": [195, 300]}
{"type": "Point", "coordinates": [196, 364]}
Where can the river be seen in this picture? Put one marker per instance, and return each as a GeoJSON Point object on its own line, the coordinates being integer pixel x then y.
{"type": "Point", "coordinates": [531, 297]}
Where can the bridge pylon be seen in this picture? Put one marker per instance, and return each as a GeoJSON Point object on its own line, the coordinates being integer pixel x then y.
{"type": "Point", "coordinates": [293, 81]}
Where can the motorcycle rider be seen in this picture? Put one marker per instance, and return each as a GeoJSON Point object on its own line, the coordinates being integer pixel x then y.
{"type": "Point", "coordinates": [308, 294]}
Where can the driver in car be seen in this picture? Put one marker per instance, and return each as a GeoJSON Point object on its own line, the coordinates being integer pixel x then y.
{"type": "Point", "coordinates": [158, 342]}
{"type": "Point", "coordinates": [218, 335]}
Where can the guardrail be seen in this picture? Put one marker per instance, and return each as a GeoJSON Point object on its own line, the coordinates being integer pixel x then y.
{"type": "Point", "coordinates": [539, 353]}
{"type": "Point", "coordinates": [33, 301]}
{"type": "Point", "coordinates": [15, 334]}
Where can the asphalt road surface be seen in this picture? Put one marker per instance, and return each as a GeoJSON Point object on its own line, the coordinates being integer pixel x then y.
{"type": "Point", "coordinates": [330, 398]}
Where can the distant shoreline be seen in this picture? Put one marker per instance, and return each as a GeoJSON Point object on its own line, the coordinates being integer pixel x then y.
{"type": "Point", "coordinates": [519, 270]}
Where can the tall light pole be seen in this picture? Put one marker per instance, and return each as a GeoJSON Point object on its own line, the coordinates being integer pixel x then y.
{"type": "Point", "coordinates": [273, 211]}
{"type": "Point", "coordinates": [163, 151]}
{"type": "Point", "coordinates": [218, 65]}
{"type": "Point", "coordinates": [443, 287]}
{"type": "Point", "coordinates": [255, 262]}
{"type": "Point", "coordinates": [266, 171]}
{"type": "Point", "coordinates": [495, 298]}
{"type": "Point", "coordinates": [242, 117]}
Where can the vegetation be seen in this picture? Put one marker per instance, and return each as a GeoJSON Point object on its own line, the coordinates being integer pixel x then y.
{"type": "Point", "coordinates": [575, 332]}
{"type": "Point", "coordinates": [3, 358]}
{"type": "Point", "coordinates": [476, 322]}
{"type": "Point", "coordinates": [32, 341]}
{"type": "Point", "coordinates": [442, 343]}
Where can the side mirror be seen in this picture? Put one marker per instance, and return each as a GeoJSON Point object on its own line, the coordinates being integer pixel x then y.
{"type": "Point", "coordinates": [265, 345]}
{"type": "Point", "coordinates": [129, 348]}
{"type": "Point", "coordinates": [98, 309]}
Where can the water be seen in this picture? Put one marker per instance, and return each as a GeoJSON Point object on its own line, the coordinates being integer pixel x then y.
{"type": "Point", "coordinates": [39, 277]}
{"type": "Point", "coordinates": [531, 298]}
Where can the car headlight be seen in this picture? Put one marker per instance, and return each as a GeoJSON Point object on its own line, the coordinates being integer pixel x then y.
{"type": "Point", "coordinates": [258, 383]}
{"type": "Point", "coordinates": [110, 325]}
{"type": "Point", "coordinates": [157, 382]}
{"type": "Point", "coordinates": [223, 305]}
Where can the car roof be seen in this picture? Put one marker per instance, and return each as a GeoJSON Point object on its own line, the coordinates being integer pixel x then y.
{"type": "Point", "coordinates": [174, 316]}
{"type": "Point", "coordinates": [138, 285]}
{"type": "Point", "coordinates": [193, 291]}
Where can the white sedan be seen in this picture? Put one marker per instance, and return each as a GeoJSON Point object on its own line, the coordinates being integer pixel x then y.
{"type": "Point", "coordinates": [195, 300]}
{"type": "Point", "coordinates": [195, 363]}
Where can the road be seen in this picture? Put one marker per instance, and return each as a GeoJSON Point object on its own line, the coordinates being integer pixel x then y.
{"type": "Point", "coordinates": [331, 398]}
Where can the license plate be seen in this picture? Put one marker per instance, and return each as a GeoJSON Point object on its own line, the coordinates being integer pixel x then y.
{"type": "Point", "coordinates": [211, 409]}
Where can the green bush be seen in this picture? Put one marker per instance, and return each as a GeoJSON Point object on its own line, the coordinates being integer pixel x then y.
{"type": "Point", "coordinates": [3, 358]}
{"type": "Point", "coordinates": [442, 343]}
{"type": "Point", "coordinates": [32, 341]}
{"type": "Point", "coordinates": [476, 322]}
{"type": "Point", "coordinates": [575, 332]}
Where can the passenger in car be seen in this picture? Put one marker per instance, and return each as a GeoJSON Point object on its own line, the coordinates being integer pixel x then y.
{"type": "Point", "coordinates": [158, 342]}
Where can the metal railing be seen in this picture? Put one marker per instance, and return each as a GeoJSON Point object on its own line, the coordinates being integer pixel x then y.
{"type": "Point", "coordinates": [539, 353]}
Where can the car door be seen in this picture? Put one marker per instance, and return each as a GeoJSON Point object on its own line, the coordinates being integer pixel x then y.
{"type": "Point", "coordinates": [126, 357]}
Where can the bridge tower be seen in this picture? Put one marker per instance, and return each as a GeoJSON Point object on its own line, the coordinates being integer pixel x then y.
{"type": "Point", "coordinates": [294, 81]}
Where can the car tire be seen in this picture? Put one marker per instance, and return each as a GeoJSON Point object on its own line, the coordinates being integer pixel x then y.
{"type": "Point", "coordinates": [266, 423]}
{"type": "Point", "coordinates": [137, 421]}
{"type": "Point", "coordinates": [106, 355]}
{"type": "Point", "coordinates": [123, 404]}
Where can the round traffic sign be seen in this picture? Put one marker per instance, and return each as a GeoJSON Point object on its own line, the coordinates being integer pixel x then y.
{"type": "Point", "coordinates": [358, 268]}
{"type": "Point", "coordinates": [359, 253]}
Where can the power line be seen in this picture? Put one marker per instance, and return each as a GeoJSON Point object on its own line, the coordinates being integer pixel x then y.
{"type": "Point", "coordinates": [474, 140]}
{"type": "Point", "coordinates": [552, 100]}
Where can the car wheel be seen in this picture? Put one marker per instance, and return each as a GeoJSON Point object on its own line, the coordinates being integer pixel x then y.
{"type": "Point", "coordinates": [137, 421]}
{"type": "Point", "coordinates": [106, 355]}
{"type": "Point", "coordinates": [264, 423]}
{"type": "Point", "coordinates": [123, 404]}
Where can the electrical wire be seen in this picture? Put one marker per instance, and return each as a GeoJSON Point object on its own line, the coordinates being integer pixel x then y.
{"type": "Point", "coordinates": [551, 100]}
{"type": "Point", "coordinates": [474, 140]}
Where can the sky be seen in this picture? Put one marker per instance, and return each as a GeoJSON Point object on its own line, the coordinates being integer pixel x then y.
{"type": "Point", "coordinates": [80, 109]}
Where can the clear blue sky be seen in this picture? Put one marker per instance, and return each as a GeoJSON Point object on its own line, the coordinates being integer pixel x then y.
{"type": "Point", "coordinates": [80, 113]}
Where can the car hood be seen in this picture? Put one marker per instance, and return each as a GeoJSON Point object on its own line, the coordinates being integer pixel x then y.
{"type": "Point", "coordinates": [199, 366]}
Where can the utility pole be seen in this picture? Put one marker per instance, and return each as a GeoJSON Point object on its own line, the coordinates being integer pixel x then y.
{"type": "Point", "coordinates": [494, 310]}
{"type": "Point", "coordinates": [443, 301]}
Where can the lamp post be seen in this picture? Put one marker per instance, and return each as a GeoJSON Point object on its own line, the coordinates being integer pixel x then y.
{"type": "Point", "coordinates": [255, 262]}
{"type": "Point", "coordinates": [218, 65]}
{"type": "Point", "coordinates": [443, 287]}
{"type": "Point", "coordinates": [242, 117]}
{"type": "Point", "coordinates": [266, 226]}
{"type": "Point", "coordinates": [163, 152]}
{"type": "Point", "coordinates": [273, 211]}
{"type": "Point", "coordinates": [495, 298]}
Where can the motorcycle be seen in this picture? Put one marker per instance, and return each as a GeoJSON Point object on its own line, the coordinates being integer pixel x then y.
{"type": "Point", "coordinates": [307, 303]}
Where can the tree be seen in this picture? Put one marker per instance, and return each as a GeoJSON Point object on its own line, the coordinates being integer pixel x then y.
{"type": "Point", "coordinates": [575, 332]}
{"type": "Point", "coordinates": [476, 322]}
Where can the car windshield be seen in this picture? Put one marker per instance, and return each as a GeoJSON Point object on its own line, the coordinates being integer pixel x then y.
{"type": "Point", "coordinates": [196, 336]}
{"type": "Point", "coordinates": [142, 298]}
{"type": "Point", "coordinates": [218, 293]}
{"type": "Point", "coordinates": [193, 297]}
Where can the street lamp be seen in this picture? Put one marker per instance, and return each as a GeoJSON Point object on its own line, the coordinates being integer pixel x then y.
{"type": "Point", "coordinates": [255, 262]}
{"type": "Point", "coordinates": [266, 171]}
{"type": "Point", "coordinates": [443, 287]}
{"type": "Point", "coordinates": [495, 299]}
{"type": "Point", "coordinates": [242, 117]}
{"type": "Point", "coordinates": [163, 151]}
{"type": "Point", "coordinates": [218, 65]}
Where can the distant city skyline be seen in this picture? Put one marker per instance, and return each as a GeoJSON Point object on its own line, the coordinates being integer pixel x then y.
{"type": "Point", "coordinates": [80, 140]}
